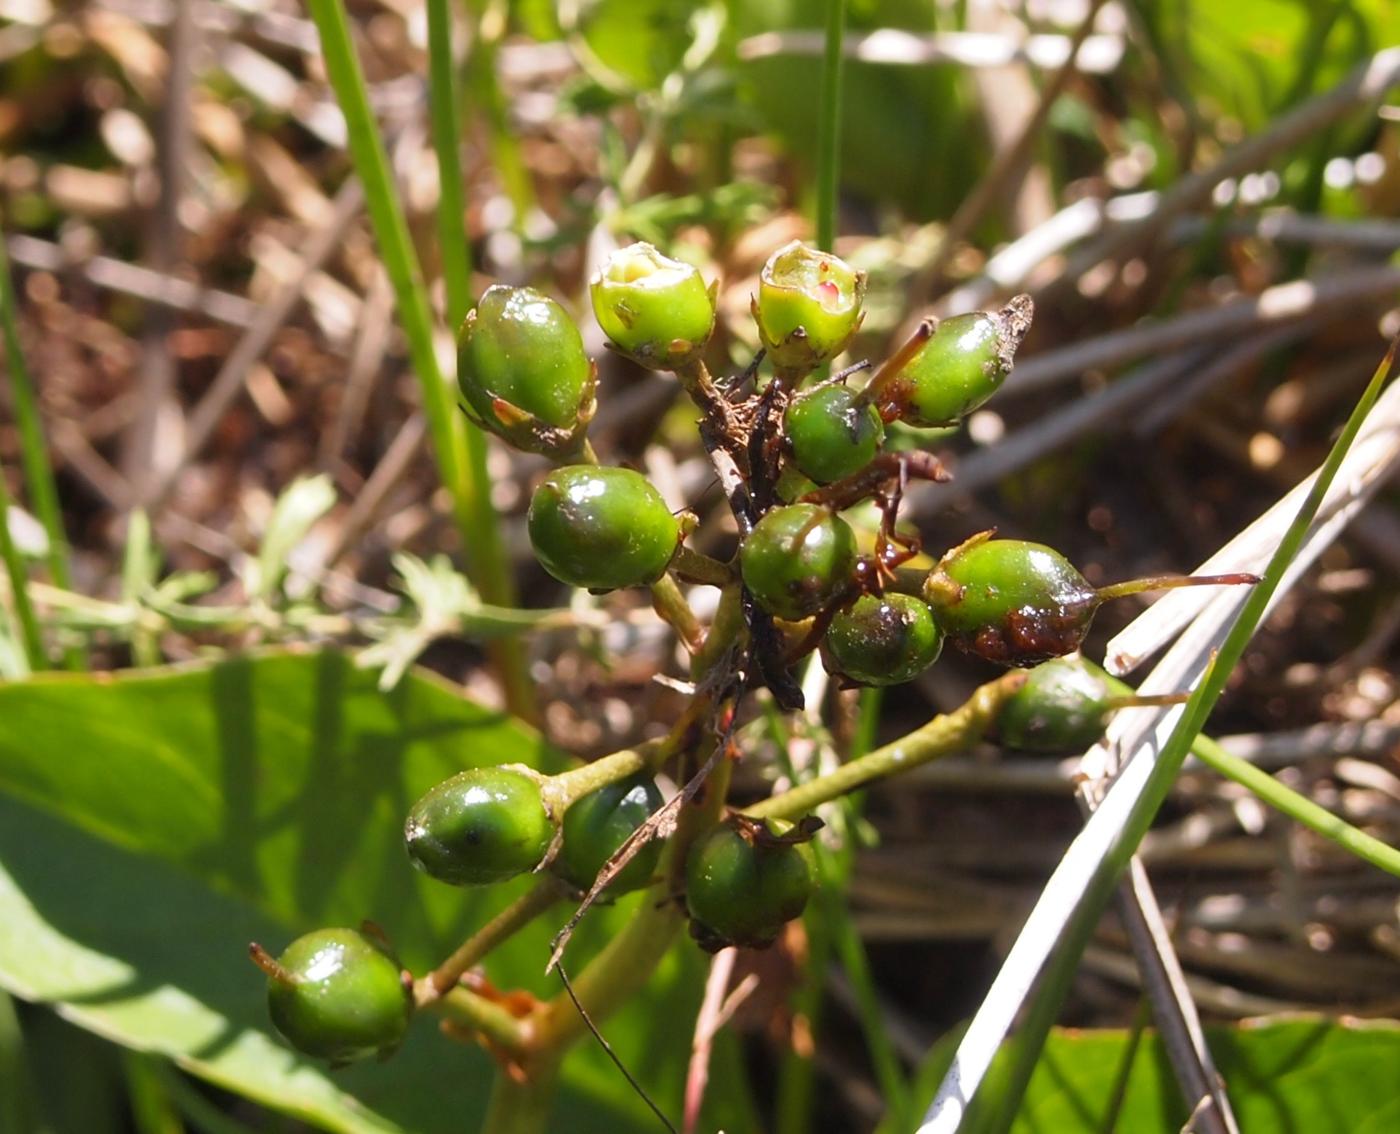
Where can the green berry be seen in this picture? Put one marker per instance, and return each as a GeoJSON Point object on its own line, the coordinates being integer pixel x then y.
{"type": "Point", "coordinates": [1062, 707]}
{"type": "Point", "coordinates": [743, 884]}
{"type": "Point", "coordinates": [1010, 601]}
{"type": "Point", "coordinates": [808, 307]}
{"type": "Point", "coordinates": [963, 363]}
{"type": "Point", "coordinates": [483, 825]}
{"type": "Point", "coordinates": [601, 528]}
{"type": "Point", "coordinates": [339, 997]}
{"type": "Point", "coordinates": [832, 433]}
{"type": "Point", "coordinates": [883, 639]}
{"type": "Point", "coordinates": [522, 370]}
{"type": "Point", "coordinates": [655, 310]}
{"type": "Point", "coordinates": [797, 559]}
{"type": "Point", "coordinates": [598, 824]}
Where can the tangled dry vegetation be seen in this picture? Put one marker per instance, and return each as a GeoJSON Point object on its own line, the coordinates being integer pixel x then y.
{"type": "Point", "coordinates": [204, 309]}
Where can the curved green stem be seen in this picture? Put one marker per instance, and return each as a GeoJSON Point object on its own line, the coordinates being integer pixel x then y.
{"type": "Point", "coordinates": [670, 604]}
{"type": "Point", "coordinates": [942, 736]}
{"type": "Point", "coordinates": [546, 892]}
{"type": "Point", "coordinates": [505, 1032]}
{"type": "Point", "coordinates": [701, 568]}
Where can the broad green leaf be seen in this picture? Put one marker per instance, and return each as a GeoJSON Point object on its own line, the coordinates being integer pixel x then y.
{"type": "Point", "coordinates": [1308, 1074]}
{"type": "Point", "coordinates": [152, 824]}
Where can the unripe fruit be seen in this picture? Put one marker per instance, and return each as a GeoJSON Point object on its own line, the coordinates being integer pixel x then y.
{"type": "Point", "coordinates": [832, 433]}
{"type": "Point", "coordinates": [601, 527]}
{"type": "Point", "coordinates": [743, 884]}
{"type": "Point", "coordinates": [483, 825]}
{"type": "Point", "coordinates": [338, 996]}
{"type": "Point", "coordinates": [598, 824]}
{"type": "Point", "coordinates": [883, 639]}
{"type": "Point", "coordinates": [808, 307]}
{"type": "Point", "coordinates": [797, 559]}
{"type": "Point", "coordinates": [1010, 601]}
{"type": "Point", "coordinates": [522, 370]}
{"type": "Point", "coordinates": [653, 309]}
{"type": "Point", "coordinates": [1062, 707]}
{"type": "Point", "coordinates": [961, 365]}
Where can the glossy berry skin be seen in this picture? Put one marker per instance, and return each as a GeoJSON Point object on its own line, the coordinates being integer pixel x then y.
{"type": "Point", "coordinates": [598, 824]}
{"type": "Point", "coordinates": [522, 370]}
{"type": "Point", "coordinates": [741, 890]}
{"type": "Point", "coordinates": [1062, 707]}
{"type": "Point", "coordinates": [655, 310]}
{"type": "Point", "coordinates": [797, 559]}
{"type": "Point", "coordinates": [962, 364]}
{"type": "Point", "coordinates": [1010, 601]}
{"type": "Point", "coordinates": [601, 527]}
{"type": "Point", "coordinates": [832, 433]}
{"type": "Point", "coordinates": [481, 826]}
{"type": "Point", "coordinates": [808, 307]}
{"type": "Point", "coordinates": [883, 639]}
{"type": "Point", "coordinates": [346, 1000]}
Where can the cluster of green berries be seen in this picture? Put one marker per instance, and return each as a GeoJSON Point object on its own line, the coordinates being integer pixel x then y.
{"type": "Point", "coordinates": [804, 452]}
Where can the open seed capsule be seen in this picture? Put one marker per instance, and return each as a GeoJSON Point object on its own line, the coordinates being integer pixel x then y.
{"type": "Point", "coordinates": [337, 995]}
{"type": "Point", "coordinates": [883, 639]}
{"type": "Point", "coordinates": [808, 307]}
{"type": "Point", "coordinates": [832, 433]}
{"type": "Point", "coordinates": [653, 309]}
{"type": "Point", "coordinates": [601, 528]}
{"type": "Point", "coordinates": [522, 370]}
{"type": "Point", "coordinates": [743, 884]}
{"type": "Point", "coordinates": [797, 559]}
{"type": "Point", "coordinates": [481, 826]}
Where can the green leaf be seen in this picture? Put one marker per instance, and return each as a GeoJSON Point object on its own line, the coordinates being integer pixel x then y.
{"type": "Point", "coordinates": [1288, 1074]}
{"type": "Point", "coordinates": [152, 824]}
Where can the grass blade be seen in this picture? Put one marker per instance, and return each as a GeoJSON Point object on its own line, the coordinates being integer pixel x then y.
{"type": "Point", "coordinates": [457, 457]}
{"type": "Point", "coordinates": [1081, 885]}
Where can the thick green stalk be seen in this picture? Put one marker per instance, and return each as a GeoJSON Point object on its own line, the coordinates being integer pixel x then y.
{"type": "Point", "coordinates": [942, 736]}
{"type": "Point", "coordinates": [829, 140]}
{"type": "Point", "coordinates": [34, 453]}
{"type": "Point", "coordinates": [471, 499]}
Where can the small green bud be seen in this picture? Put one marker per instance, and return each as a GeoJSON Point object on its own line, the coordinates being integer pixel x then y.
{"type": "Point", "coordinates": [653, 309]}
{"type": "Point", "coordinates": [597, 825]}
{"type": "Point", "coordinates": [1062, 707]}
{"type": "Point", "coordinates": [743, 883]}
{"type": "Point", "coordinates": [883, 639]}
{"type": "Point", "coordinates": [797, 559]}
{"type": "Point", "coordinates": [337, 995]}
{"type": "Point", "coordinates": [832, 433]}
{"type": "Point", "coordinates": [961, 365]}
{"type": "Point", "coordinates": [808, 307]}
{"type": "Point", "coordinates": [522, 371]}
{"type": "Point", "coordinates": [481, 826]}
{"type": "Point", "coordinates": [601, 527]}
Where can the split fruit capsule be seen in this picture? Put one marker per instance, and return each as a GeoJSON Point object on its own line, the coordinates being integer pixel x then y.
{"type": "Point", "coordinates": [656, 310]}
{"type": "Point", "coordinates": [808, 307]}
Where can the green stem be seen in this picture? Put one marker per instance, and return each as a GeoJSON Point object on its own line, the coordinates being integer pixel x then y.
{"type": "Point", "coordinates": [34, 454]}
{"type": "Point", "coordinates": [558, 792]}
{"type": "Point", "coordinates": [447, 140]}
{"type": "Point", "coordinates": [700, 568]}
{"type": "Point", "coordinates": [670, 604]}
{"type": "Point", "coordinates": [505, 1032]}
{"type": "Point", "coordinates": [19, 588]}
{"type": "Point", "coordinates": [829, 141]}
{"type": "Point", "coordinates": [1297, 807]}
{"type": "Point", "coordinates": [460, 448]}
{"type": "Point", "coordinates": [522, 1106]}
{"type": "Point", "coordinates": [530, 905]}
{"type": "Point", "coordinates": [942, 736]}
